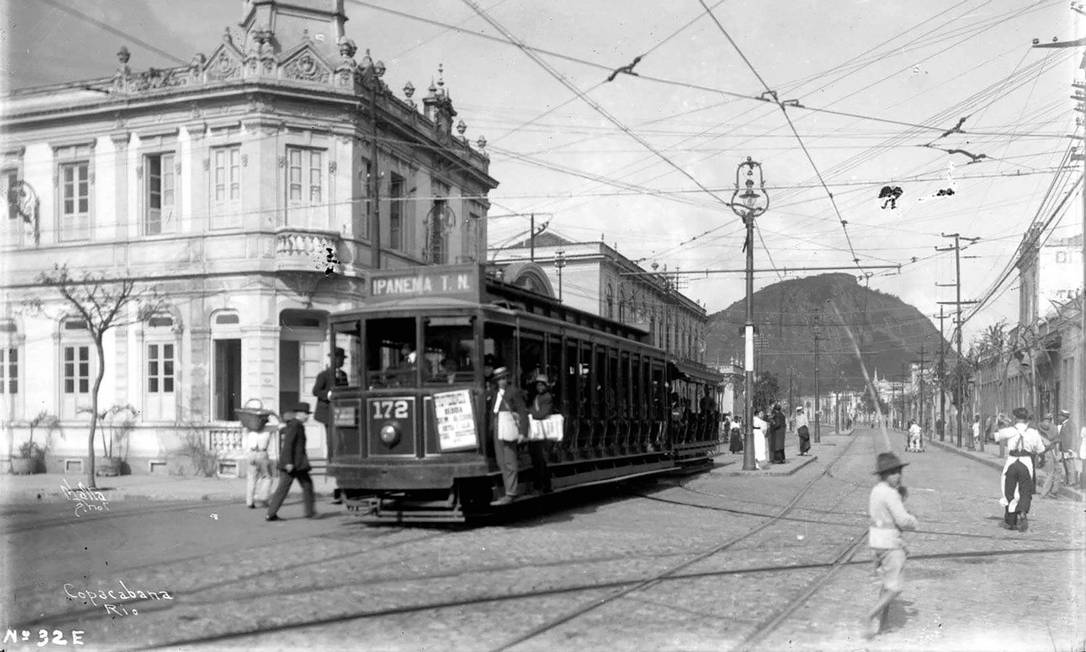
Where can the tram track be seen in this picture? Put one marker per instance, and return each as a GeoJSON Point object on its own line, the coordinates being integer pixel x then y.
{"type": "Point", "coordinates": [675, 569]}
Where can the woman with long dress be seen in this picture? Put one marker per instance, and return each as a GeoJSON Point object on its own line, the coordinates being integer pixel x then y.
{"type": "Point", "coordinates": [761, 458]}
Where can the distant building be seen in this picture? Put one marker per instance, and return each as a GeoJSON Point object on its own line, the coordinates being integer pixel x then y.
{"type": "Point", "coordinates": [241, 186]}
{"type": "Point", "coordinates": [1038, 364]}
{"type": "Point", "coordinates": [595, 277]}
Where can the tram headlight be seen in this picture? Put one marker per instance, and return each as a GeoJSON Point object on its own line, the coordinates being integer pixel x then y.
{"type": "Point", "coordinates": [390, 434]}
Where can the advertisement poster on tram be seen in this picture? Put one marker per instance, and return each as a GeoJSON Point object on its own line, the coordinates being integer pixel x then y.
{"type": "Point", "coordinates": [455, 420]}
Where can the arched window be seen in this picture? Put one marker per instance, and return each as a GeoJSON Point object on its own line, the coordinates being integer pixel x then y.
{"type": "Point", "coordinates": [621, 305]}
{"type": "Point", "coordinates": [9, 358]}
{"type": "Point", "coordinates": [76, 367]}
{"type": "Point", "coordinates": [226, 365]}
{"type": "Point", "coordinates": [609, 299]}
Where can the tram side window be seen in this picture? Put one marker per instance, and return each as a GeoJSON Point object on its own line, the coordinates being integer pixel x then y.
{"type": "Point", "coordinates": [571, 381]}
{"type": "Point", "coordinates": [449, 355]}
{"type": "Point", "coordinates": [585, 390]}
{"type": "Point", "coordinates": [391, 359]}
{"type": "Point", "coordinates": [659, 388]}
{"type": "Point", "coordinates": [531, 357]}
{"type": "Point", "coordinates": [348, 336]}
{"type": "Point", "coordinates": [499, 341]}
{"type": "Point", "coordinates": [554, 364]}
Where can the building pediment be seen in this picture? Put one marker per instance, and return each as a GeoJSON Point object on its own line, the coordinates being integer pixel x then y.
{"type": "Point", "coordinates": [225, 63]}
{"type": "Point", "coordinates": [304, 63]}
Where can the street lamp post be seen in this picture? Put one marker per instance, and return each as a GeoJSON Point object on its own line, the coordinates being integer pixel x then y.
{"type": "Point", "coordinates": [371, 74]}
{"type": "Point", "coordinates": [559, 263]}
{"type": "Point", "coordinates": [748, 203]}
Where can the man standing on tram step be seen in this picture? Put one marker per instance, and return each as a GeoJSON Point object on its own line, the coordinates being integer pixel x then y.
{"type": "Point", "coordinates": [803, 431]}
{"type": "Point", "coordinates": [778, 426]}
{"type": "Point", "coordinates": [293, 464]}
{"type": "Point", "coordinates": [509, 422]}
{"type": "Point", "coordinates": [886, 507]}
{"type": "Point", "coordinates": [1018, 475]}
{"type": "Point", "coordinates": [331, 376]}
{"type": "Point", "coordinates": [542, 406]}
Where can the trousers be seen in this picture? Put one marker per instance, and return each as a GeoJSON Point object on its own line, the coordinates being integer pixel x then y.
{"type": "Point", "coordinates": [537, 450]}
{"type": "Point", "coordinates": [258, 480]}
{"type": "Point", "coordinates": [505, 454]}
{"type": "Point", "coordinates": [281, 491]}
{"type": "Point", "coordinates": [1018, 477]}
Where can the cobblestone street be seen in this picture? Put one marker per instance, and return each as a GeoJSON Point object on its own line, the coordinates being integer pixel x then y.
{"type": "Point", "coordinates": [684, 563]}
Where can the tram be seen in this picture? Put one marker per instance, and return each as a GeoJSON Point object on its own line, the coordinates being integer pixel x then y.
{"type": "Point", "coordinates": [411, 437]}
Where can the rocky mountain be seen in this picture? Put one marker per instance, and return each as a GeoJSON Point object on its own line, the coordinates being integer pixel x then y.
{"type": "Point", "coordinates": [889, 332]}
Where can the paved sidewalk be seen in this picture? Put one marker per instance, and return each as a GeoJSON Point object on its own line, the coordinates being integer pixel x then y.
{"type": "Point", "coordinates": [990, 456]}
{"type": "Point", "coordinates": [42, 486]}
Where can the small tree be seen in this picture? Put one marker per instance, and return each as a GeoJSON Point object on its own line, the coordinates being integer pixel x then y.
{"type": "Point", "coordinates": [103, 304]}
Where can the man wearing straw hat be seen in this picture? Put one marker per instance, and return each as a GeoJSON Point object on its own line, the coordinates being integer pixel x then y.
{"type": "Point", "coordinates": [509, 420]}
{"type": "Point", "coordinates": [889, 517]}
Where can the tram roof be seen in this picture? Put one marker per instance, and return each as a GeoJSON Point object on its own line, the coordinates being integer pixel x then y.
{"type": "Point", "coordinates": [459, 287]}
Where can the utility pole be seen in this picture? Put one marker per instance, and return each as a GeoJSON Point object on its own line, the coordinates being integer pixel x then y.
{"type": "Point", "coordinates": [941, 373]}
{"type": "Point", "coordinates": [818, 408]}
{"type": "Point", "coordinates": [748, 203]}
{"type": "Point", "coordinates": [920, 409]}
{"type": "Point", "coordinates": [958, 330]}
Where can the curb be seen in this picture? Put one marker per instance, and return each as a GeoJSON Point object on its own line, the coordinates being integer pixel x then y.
{"type": "Point", "coordinates": [776, 470]}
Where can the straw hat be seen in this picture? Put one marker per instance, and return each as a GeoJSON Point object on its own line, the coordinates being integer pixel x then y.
{"type": "Point", "coordinates": [888, 462]}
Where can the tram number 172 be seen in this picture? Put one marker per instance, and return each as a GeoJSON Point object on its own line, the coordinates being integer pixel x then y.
{"type": "Point", "coordinates": [389, 409]}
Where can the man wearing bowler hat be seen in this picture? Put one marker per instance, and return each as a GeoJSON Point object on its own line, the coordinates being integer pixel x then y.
{"type": "Point", "coordinates": [331, 376]}
{"type": "Point", "coordinates": [293, 464]}
{"type": "Point", "coordinates": [889, 517]}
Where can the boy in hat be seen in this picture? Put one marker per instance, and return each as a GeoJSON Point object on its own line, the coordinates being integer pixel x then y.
{"type": "Point", "coordinates": [889, 517]}
{"type": "Point", "coordinates": [294, 464]}
{"type": "Point", "coordinates": [331, 376]}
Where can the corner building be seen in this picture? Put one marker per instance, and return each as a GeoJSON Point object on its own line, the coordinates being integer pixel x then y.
{"type": "Point", "coordinates": [253, 188]}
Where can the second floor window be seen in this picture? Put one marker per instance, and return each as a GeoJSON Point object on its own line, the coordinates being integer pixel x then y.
{"type": "Point", "coordinates": [304, 178]}
{"type": "Point", "coordinates": [226, 185]}
{"type": "Point", "coordinates": [75, 201]}
{"type": "Point", "coordinates": [395, 212]}
{"type": "Point", "coordinates": [161, 182]}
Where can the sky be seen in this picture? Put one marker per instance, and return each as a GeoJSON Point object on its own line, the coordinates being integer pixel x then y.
{"type": "Point", "coordinates": [648, 163]}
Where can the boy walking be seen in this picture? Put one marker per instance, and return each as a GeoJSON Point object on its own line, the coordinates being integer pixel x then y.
{"type": "Point", "coordinates": [886, 508]}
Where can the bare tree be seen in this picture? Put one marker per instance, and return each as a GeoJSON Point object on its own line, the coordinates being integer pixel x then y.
{"type": "Point", "coordinates": [102, 303]}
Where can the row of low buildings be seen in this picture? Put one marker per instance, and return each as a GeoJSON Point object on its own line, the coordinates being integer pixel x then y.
{"type": "Point", "coordinates": [253, 188]}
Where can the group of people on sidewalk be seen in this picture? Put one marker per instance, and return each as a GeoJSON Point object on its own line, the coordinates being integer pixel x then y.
{"type": "Point", "coordinates": [769, 435]}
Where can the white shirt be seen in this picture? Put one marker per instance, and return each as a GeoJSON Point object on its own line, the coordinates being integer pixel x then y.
{"type": "Point", "coordinates": [759, 424]}
{"type": "Point", "coordinates": [257, 440]}
{"type": "Point", "coordinates": [1021, 437]}
{"type": "Point", "coordinates": [801, 420]}
{"type": "Point", "coordinates": [498, 400]}
{"type": "Point", "coordinates": [914, 429]}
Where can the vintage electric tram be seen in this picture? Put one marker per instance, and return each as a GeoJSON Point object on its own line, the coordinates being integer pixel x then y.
{"type": "Point", "coordinates": [411, 434]}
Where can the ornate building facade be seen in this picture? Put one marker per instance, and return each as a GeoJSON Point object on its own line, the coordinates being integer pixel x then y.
{"type": "Point", "coordinates": [252, 188]}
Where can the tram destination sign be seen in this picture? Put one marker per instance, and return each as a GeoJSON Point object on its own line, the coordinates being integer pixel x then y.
{"type": "Point", "coordinates": [455, 420]}
{"type": "Point", "coordinates": [453, 281]}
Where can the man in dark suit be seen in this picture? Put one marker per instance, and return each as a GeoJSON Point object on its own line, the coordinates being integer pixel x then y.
{"type": "Point", "coordinates": [293, 464]}
{"type": "Point", "coordinates": [331, 376]}
{"type": "Point", "coordinates": [508, 414]}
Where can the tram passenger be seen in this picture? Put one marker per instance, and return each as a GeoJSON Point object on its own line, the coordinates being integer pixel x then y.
{"type": "Point", "coordinates": [510, 425]}
{"type": "Point", "coordinates": [888, 518]}
{"type": "Point", "coordinates": [541, 407]}
{"type": "Point", "coordinates": [707, 403]}
{"type": "Point", "coordinates": [331, 376]}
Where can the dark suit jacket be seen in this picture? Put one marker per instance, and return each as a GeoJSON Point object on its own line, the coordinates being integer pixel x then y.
{"type": "Point", "coordinates": [545, 403]}
{"type": "Point", "coordinates": [321, 388]}
{"type": "Point", "coordinates": [513, 401]}
{"type": "Point", "coordinates": [292, 450]}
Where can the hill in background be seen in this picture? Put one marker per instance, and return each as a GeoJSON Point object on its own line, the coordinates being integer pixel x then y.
{"type": "Point", "coordinates": [888, 331]}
